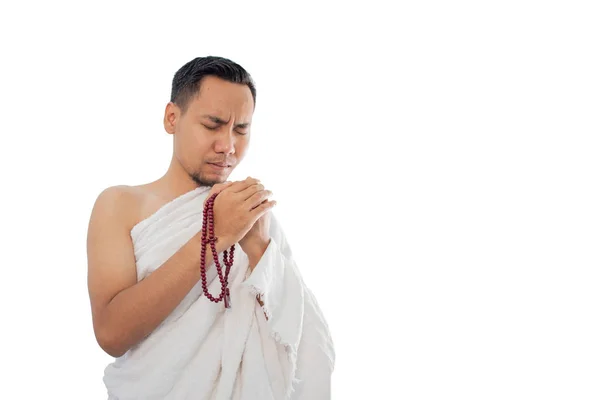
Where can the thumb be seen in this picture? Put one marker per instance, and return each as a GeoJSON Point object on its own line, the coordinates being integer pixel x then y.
{"type": "Point", "coordinates": [218, 188]}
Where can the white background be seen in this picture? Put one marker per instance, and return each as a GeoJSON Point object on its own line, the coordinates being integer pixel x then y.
{"type": "Point", "coordinates": [436, 166]}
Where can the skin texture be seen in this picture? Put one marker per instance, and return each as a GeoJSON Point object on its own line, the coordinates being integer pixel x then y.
{"type": "Point", "coordinates": [215, 128]}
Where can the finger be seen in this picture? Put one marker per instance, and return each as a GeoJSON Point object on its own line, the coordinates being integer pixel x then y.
{"type": "Point", "coordinates": [240, 186]}
{"type": "Point", "coordinates": [223, 185]}
{"type": "Point", "coordinates": [262, 209]}
{"type": "Point", "coordinates": [263, 202]}
{"type": "Point", "coordinates": [251, 191]}
{"type": "Point", "coordinates": [219, 187]}
{"type": "Point", "coordinates": [258, 198]}
{"type": "Point", "coordinates": [259, 204]}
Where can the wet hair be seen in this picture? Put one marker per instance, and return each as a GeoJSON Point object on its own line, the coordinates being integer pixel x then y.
{"type": "Point", "coordinates": [187, 80]}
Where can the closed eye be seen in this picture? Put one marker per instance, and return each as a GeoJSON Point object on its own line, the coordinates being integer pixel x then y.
{"type": "Point", "coordinates": [214, 128]}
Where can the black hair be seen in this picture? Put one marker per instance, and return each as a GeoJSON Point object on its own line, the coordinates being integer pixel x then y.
{"type": "Point", "coordinates": [187, 80]}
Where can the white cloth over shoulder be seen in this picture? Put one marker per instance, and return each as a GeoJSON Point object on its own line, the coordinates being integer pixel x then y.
{"type": "Point", "coordinates": [204, 351]}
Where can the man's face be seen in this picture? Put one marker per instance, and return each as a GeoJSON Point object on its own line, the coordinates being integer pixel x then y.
{"type": "Point", "coordinates": [212, 136]}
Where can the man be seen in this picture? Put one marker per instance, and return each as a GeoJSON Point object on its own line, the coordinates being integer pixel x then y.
{"type": "Point", "coordinates": [144, 276]}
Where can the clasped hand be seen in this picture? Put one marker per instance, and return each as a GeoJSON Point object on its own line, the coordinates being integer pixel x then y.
{"type": "Point", "coordinates": [241, 215]}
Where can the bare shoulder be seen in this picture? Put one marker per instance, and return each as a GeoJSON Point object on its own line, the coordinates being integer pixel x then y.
{"type": "Point", "coordinates": [110, 252]}
{"type": "Point", "coordinates": [121, 204]}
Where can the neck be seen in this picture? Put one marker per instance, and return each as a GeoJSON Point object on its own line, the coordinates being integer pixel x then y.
{"type": "Point", "coordinates": [176, 180]}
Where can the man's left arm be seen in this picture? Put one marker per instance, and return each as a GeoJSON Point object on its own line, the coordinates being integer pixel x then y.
{"type": "Point", "coordinates": [294, 313]}
{"type": "Point", "coordinates": [254, 254]}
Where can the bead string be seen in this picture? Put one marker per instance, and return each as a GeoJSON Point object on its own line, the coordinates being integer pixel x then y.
{"type": "Point", "coordinates": [208, 237]}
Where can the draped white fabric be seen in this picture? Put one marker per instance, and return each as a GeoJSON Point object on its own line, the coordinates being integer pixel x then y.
{"type": "Point", "coordinates": [204, 351]}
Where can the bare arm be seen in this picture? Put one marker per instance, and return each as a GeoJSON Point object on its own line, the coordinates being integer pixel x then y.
{"type": "Point", "coordinates": [124, 311]}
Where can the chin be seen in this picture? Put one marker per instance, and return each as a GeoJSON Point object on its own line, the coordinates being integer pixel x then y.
{"type": "Point", "coordinates": [203, 180]}
{"type": "Point", "coordinates": [209, 179]}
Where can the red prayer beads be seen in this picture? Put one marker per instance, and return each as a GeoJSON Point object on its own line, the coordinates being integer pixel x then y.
{"type": "Point", "coordinates": [208, 236]}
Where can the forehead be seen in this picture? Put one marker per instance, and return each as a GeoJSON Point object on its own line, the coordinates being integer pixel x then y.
{"type": "Point", "coordinates": [222, 98]}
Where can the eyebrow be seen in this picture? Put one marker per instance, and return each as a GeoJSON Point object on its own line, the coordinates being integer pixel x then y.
{"type": "Point", "coordinates": [218, 120]}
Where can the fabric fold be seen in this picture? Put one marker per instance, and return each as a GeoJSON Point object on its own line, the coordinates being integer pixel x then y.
{"type": "Point", "coordinates": [274, 278]}
{"type": "Point", "coordinates": [204, 351]}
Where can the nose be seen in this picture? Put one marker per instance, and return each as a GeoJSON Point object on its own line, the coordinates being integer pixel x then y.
{"type": "Point", "coordinates": [225, 142]}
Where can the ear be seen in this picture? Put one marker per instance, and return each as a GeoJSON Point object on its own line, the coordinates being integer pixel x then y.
{"type": "Point", "coordinates": [171, 117]}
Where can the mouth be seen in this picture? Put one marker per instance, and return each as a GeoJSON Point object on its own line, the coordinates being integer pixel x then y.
{"type": "Point", "coordinates": [220, 165]}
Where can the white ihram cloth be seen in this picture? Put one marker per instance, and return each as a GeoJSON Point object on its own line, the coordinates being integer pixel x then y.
{"type": "Point", "coordinates": [204, 351]}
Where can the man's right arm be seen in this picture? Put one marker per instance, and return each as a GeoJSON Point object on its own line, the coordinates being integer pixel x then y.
{"type": "Point", "coordinates": [125, 311]}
